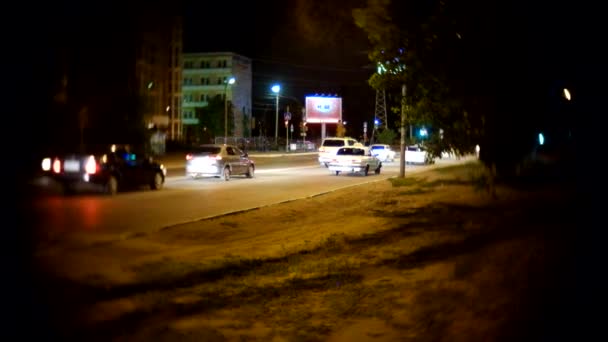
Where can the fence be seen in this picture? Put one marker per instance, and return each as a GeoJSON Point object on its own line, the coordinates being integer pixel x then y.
{"type": "Point", "coordinates": [264, 144]}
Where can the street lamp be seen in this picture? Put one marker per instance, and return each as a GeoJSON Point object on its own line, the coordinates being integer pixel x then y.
{"type": "Point", "coordinates": [231, 80]}
{"type": "Point", "coordinates": [276, 89]}
{"type": "Point", "coordinates": [567, 94]}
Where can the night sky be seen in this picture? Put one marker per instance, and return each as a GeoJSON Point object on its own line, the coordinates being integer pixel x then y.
{"type": "Point", "coordinates": [301, 45]}
{"type": "Point", "coordinates": [288, 48]}
{"type": "Point", "coordinates": [559, 43]}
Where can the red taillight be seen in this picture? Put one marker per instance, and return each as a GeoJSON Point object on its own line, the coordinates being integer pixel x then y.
{"type": "Point", "coordinates": [188, 157]}
{"type": "Point", "coordinates": [57, 166]}
{"type": "Point", "coordinates": [91, 166]}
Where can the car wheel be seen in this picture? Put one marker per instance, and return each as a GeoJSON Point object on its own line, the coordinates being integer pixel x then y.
{"type": "Point", "coordinates": [337, 173]}
{"type": "Point", "coordinates": [157, 182]}
{"type": "Point", "coordinates": [366, 171]}
{"type": "Point", "coordinates": [377, 170]}
{"type": "Point", "coordinates": [226, 174]}
{"type": "Point", "coordinates": [111, 187]}
{"type": "Point", "coordinates": [250, 171]}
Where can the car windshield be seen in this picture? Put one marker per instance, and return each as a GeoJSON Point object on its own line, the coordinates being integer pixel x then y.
{"type": "Point", "coordinates": [333, 143]}
{"type": "Point", "coordinates": [351, 152]}
{"type": "Point", "coordinates": [208, 150]}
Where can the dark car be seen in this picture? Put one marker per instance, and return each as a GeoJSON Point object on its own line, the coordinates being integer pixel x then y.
{"type": "Point", "coordinates": [218, 160]}
{"type": "Point", "coordinates": [113, 171]}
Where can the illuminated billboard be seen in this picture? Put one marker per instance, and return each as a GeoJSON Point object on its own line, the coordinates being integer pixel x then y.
{"type": "Point", "coordinates": [323, 109]}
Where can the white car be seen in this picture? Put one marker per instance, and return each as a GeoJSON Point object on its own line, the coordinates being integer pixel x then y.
{"type": "Point", "coordinates": [330, 146]}
{"type": "Point", "coordinates": [416, 154]}
{"type": "Point", "coordinates": [354, 160]}
{"type": "Point", "coordinates": [383, 152]}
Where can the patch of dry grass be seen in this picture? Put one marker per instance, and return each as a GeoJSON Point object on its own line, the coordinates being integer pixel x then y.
{"type": "Point", "coordinates": [446, 266]}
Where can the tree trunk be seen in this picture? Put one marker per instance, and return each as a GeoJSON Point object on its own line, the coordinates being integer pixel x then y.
{"type": "Point", "coordinates": [491, 181]}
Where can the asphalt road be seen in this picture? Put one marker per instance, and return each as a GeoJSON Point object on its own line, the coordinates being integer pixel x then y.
{"type": "Point", "coordinates": [94, 218]}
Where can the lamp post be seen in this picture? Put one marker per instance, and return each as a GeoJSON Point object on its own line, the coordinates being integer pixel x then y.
{"type": "Point", "coordinates": [231, 80]}
{"type": "Point", "coordinates": [276, 89]}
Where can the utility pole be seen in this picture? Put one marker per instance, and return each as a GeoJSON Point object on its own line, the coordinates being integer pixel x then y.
{"type": "Point", "coordinates": [402, 153]}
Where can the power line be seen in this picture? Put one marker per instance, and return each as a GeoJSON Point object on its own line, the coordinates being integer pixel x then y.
{"type": "Point", "coordinates": [315, 67]}
{"type": "Point", "coordinates": [309, 81]}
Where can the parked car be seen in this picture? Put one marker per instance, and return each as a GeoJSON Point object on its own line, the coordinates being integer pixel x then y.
{"type": "Point", "coordinates": [115, 170]}
{"type": "Point", "coordinates": [305, 145]}
{"type": "Point", "coordinates": [218, 160]}
{"type": "Point", "coordinates": [354, 160]}
{"type": "Point", "coordinates": [383, 152]}
{"type": "Point", "coordinates": [330, 146]}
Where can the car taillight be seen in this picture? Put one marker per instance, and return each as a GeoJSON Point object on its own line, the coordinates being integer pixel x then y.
{"type": "Point", "coordinates": [188, 157]}
{"type": "Point", "coordinates": [46, 164]}
{"type": "Point", "coordinates": [217, 157]}
{"type": "Point", "coordinates": [321, 149]}
{"type": "Point", "coordinates": [57, 166]}
{"type": "Point", "coordinates": [91, 166]}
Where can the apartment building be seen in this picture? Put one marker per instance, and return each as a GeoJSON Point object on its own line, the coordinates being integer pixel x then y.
{"type": "Point", "coordinates": [158, 74]}
{"type": "Point", "coordinates": [205, 76]}
{"type": "Point", "coordinates": [113, 81]}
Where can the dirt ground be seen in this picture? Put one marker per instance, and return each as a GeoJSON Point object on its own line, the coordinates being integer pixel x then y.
{"type": "Point", "coordinates": [428, 258]}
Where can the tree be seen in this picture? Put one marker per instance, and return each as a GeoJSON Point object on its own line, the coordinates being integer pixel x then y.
{"type": "Point", "coordinates": [387, 136]}
{"type": "Point", "coordinates": [212, 117]}
{"type": "Point", "coordinates": [464, 71]}
{"type": "Point", "coordinates": [340, 129]}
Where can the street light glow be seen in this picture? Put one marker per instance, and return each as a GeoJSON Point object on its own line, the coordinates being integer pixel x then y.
{"type": "Point", "coordinates": [567, 94]}
{"type": "Point", "coordinates": [276, 89]}
{"type": "Point", "coordinates": [230, 81]}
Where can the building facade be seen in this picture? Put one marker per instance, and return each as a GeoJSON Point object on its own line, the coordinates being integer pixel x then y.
{"type": "Point", "coordinates": [205, 76]}
{"type": "Point", "coordinates": [111, 82]}
{"type": "Point", "coordinates": [158, 74]}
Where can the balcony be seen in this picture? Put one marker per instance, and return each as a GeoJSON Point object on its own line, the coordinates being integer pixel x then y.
{"type": "Point", "coordinates": [206, 71]}
{"type": "Point", "coordinates": [192, 104]}
{"type": "Point", "coordinates": [206, 87]}
{"type": "Point", "coordinates": [190, 121]}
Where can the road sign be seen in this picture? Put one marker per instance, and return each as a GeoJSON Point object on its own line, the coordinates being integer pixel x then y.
{"type": "Point", "coordinates": [291, 128]}
{"type": "Point", "coordinates": [287, 116]}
